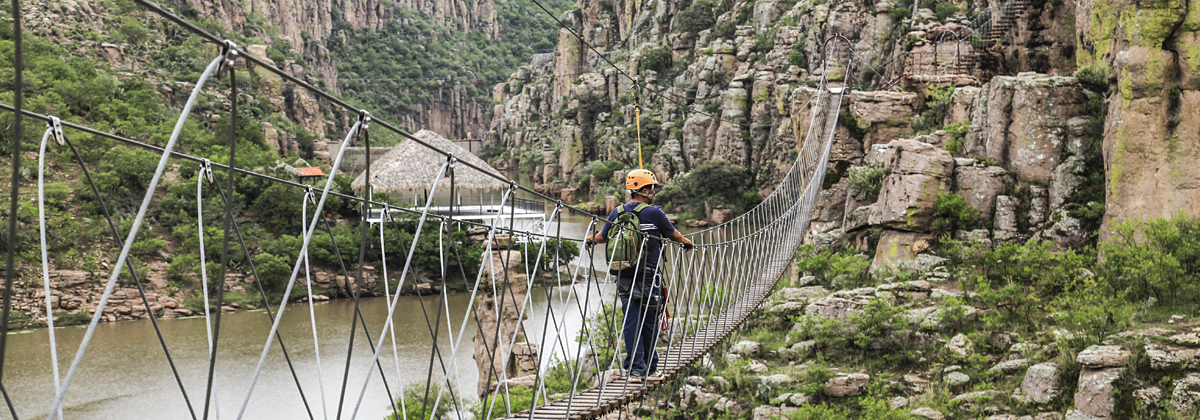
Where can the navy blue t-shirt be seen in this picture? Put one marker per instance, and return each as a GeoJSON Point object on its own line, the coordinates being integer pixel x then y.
{"type": "Point", "coordinates": [654, 223]}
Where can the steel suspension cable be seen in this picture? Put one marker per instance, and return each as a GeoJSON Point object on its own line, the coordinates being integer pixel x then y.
{"type": "Point", "coordinates": [10, 268]}
{"type": "Point", "coordinates": [205, 173]}
{"type": "Point", "coordinates": [41, 202]}
{"type": "Point", "coordinates": [229, 54]}
{"type": "Point", "coordinates": [267, 304]}
{"type": "Point", "coordinates": [312, 312]}
{"type": "Point", "coordinates": [407, 264]}
{"type": "Point", "coordinates": [299, 259]}
{"type": "Point", "coordinates": [136, 278]}
{"type": "Point", "coordinates": [137, 223]}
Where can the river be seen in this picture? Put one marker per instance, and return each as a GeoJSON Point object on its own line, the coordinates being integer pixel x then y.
{"type": "Point", "coordinates": [125, 375]}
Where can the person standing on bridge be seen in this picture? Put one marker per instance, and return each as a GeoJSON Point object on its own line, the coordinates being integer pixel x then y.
{"type": "Point", "coordinates": [640, 285]}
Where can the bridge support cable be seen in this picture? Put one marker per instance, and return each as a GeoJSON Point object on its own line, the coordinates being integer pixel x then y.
{"type": "Point", "coordinates": [237, 230]}
{"type": "Point", "coordinates": [206, 174]}
{"type": "Point", "coordinates": [10, 268]}
{"type": "Point", "coordinates": [55, 130]}
{"type": "Point", "coordinates": [312, 312]}
{"type": "Point", "coordinates": [407, 264]}
{"type": "Point", "coordinates": [229, 53]}
{"type": "Point", "coordinates": [137, 223]}
{"type": "Point", "coordinates": [387, 294]}
{"type": "Point", "coordinates": [299, 259]}
{"type": "Point", "coordinates": [136, 278]}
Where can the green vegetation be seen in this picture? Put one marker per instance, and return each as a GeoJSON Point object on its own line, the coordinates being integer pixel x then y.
{"type": "Point", "coordinates": [419, 400]}
{"type": "Point", "coordinates": [937, 103]}
{"type": "Point", "coordinates": [958, 134]}
{"type": "Point", "coordinates": [715, 182]}
{"type": "Point", "coordinates": [700, 15]}
{"type": "Point", "coordinates": [867, 178]}
{"type": "Point", "coordinates": [951, 213]}
{"type": "Point", "coordinates": [414, 57]}
{"type": "Point", "coordinates": [1093, 77]}
{"type": "Point", "coordinates": [945, 10]}
{"type": "Point", "coordinates": [81, 91]}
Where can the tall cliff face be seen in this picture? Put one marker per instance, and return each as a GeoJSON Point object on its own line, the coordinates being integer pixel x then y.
{"type": "Point", "coordinates": [1149, 55]}
{"type": "Point", "coordinates": [309, 27]}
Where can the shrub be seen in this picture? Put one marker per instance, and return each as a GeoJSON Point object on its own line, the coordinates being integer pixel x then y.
{"type": "Point", "coordinates": [1158, 259]}
{"type": "Point", "coordinates": [868, 178]}
{"type": "Point", "coordinates": [899, 13]}
{"type": "Point", "coordinates": [798, 59]}
{"type": "Point", "coordinates": [945, 10]}
{"type": "Point", "coordinates": [1093, 77]}
{"type": "Point", "coordinates": [958, 134]}
{"type": "Point", "coordinates": [132, 31]}
{"type": "Point", "coordinates": [697, 17]}
{"type": "Point", "coordinates": [950, 213]}
{"type": "Point", "coordinates": [415, 405]}
{"type": "Point", "coordinates": [655, 59]}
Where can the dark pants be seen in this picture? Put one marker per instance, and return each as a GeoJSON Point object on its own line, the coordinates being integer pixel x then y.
{"type": "Point", "coordinates": [641, 299]}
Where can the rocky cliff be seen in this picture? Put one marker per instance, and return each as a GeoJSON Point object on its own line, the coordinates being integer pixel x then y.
{"type": "Point", "coordinates": [319, 42]}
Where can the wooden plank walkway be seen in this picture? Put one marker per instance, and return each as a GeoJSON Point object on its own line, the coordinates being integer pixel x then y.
{"type": "Point", "coordinates": [617, 392]}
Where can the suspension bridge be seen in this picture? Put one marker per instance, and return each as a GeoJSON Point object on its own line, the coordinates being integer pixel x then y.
{"type": "Point", "coordinates": [714, 287]}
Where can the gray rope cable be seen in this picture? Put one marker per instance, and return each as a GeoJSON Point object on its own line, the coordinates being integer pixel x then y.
{"type": "Point", "coordinates": [205, 174]}
{"type": "Point", "coordinates": [312, 312]}
{"type": "Point", "coordinates": [137, 224]}
{"type": "Point", "coordinates": [299, 260]}
{"type": "Point", "coordinates": [41, 201]}
{"type": "Point", "coordinates": [388, 295]}
{"type": "Point", "coordinates": [407, 263]}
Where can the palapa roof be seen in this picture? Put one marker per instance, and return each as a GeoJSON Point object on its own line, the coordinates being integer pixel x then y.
{"type": "Point", "coordinates": [311, 171]}
{"type": "Point", "coordinates": [412, 167]}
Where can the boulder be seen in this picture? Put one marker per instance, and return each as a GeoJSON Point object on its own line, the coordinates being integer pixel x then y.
{"type": "Point", "coordinates": [1010, 366]}
{"type": "Point", "coordinates": [72, 278]}
{"type": "Point", "coordinates": [1186, 393]}
{"type": "Point", "coordinates": [834, 307]}
{"type": "Point", "coordinates": [1094, 393]}
{"type": "Point", "coordinates": [1097, 356]}
{"type": "Point", "coordinates": [1026, 122]}
{"type": "Point", "coordinates": [1040, 385]}
{"type": "Point", "coordinates": [919, 172]}
{"type": "Point", "coordinates": [767, 412]}
{"type": "Point", "coordinates": [847, 385]}
{"type": "Point", "coordinates": [960, 346]}
{"type": "Point", "coordinates": [801, 294]}
{"type": "Point", "coordinates": [957, 378]}
{"type": "Point", "coordinates": [926, 413]}
{"type": "Point", "coordinates": [896, 247]}
{"type": "Point", "coordinates": [611, 203]}
{"type": "Point", "coordinates": [883, 115]}
{"type": "Point", "coordinates": [980, 186]}
{"type": "Point", "coordinates": [694, 394]}
{"type": "Point", "coordinates": [1005, 224]}
{"type": "Point", "coordinates": [745, 348]}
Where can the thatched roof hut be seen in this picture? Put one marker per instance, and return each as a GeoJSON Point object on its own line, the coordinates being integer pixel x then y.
{"type": "Point", "coordinates": [411, 167]}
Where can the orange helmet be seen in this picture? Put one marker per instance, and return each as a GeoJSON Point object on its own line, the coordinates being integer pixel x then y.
{"type": "Point", "coordinates": [640, 178]}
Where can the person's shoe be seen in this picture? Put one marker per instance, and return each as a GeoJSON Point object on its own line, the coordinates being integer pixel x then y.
{"type": "Point", "coordinates": [636, 377]}
{"type": "Point", "coordinates": [654, 377]}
